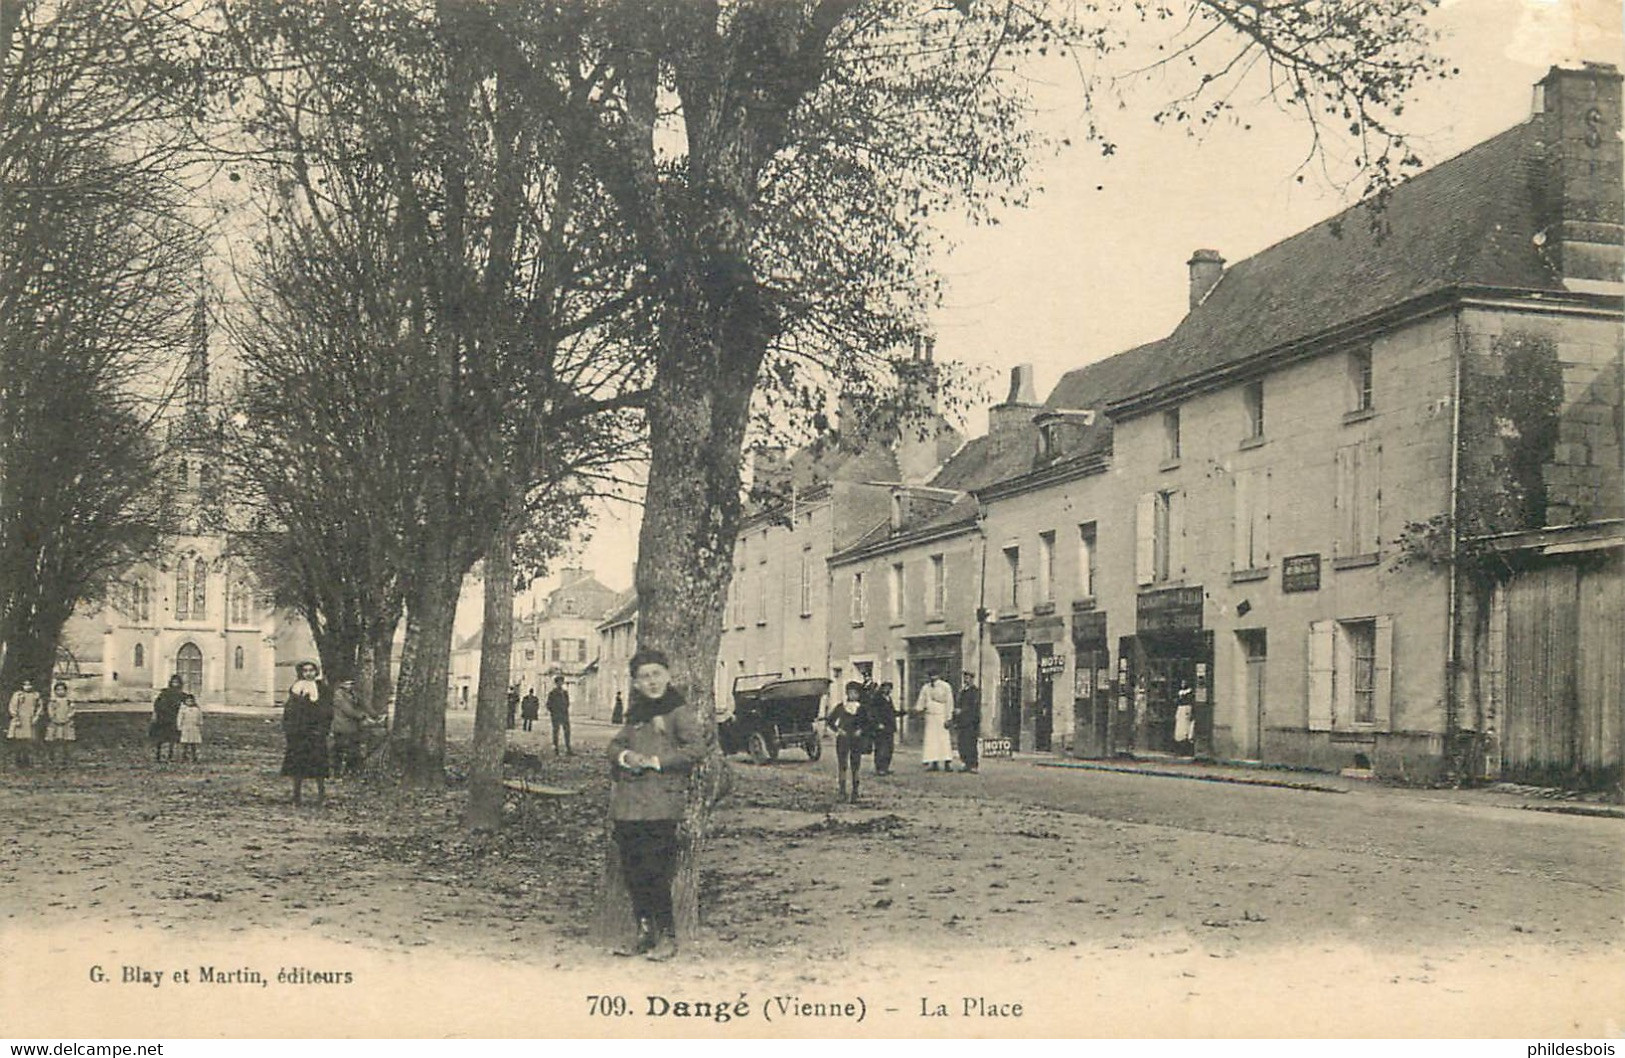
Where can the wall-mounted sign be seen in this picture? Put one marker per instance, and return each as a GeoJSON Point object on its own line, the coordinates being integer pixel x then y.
{"type": "Point", "coordinates": [1050, 664]}
{"type": "Point", "coordinates": [995, 747]}
{"type": "Point", "coordinates": [1046, 630]}
{"type": "Point", "coordinates": [1168, 610]}
{"type": "Point", "coordinates": [1300, 573]}
{"type": "Point", "coordinates": [1007, 631]}
{"type": "Point", "coordinates": [1089, 629]}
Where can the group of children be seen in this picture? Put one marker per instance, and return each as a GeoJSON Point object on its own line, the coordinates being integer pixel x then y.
{"type": "Point", "coordinates": [177, 719]}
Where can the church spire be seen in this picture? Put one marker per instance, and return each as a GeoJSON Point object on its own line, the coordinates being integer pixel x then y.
{"type": "Point", "coordinates": [196, 381]}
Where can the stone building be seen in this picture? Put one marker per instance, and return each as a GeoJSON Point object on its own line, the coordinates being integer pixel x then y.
{"type": "Point", "coordinates": [617, 642]}
{"type": "Point", "coordinates": [1267, 514]}
{"type": "Point", "coordinates": [194, 609]}
{"type": "Point", "coordinates": [818, 502]}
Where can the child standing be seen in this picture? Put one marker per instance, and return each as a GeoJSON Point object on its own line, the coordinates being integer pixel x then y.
{"type": "Point", "coordinates": [25, 710]}
{"type": "Point", "coordinates": [649, 764]}
{"type": "Point", "coordinates": [854, 735]}
{"type": "Point", "coordinates": [191, 725]}
{"type": "Point", "coordinates": [60, 733]}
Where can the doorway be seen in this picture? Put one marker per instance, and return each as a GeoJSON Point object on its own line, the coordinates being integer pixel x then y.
{"type": "Point", "coordinates": [1043, 700]}
{"type": "Point", "coordinates": [1010, 694]}
{"type": "Point", "coordinates": [189, 667]}
{"type": "Point", "coordinates": [1253, 645]}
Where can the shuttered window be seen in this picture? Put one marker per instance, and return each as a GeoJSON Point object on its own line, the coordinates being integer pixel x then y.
{"type": "Point", "coordinates": [1358, 499]}
{"type": "Point", "coordinates": [1159, 537]}
{"type": "Point", "coordinates": [1251, 547]}
{"type": "Point", "coordinates": [1350, 680]}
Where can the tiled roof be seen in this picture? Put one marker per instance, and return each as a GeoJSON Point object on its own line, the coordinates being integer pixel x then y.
{"type": "Point", "coordinates": [625, 606]}
{"type": "Point", "coordinates": [1469, 221]}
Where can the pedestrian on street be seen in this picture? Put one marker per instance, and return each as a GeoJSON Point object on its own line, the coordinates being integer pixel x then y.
{"type": "Point", "coordinates": [513, 707]}
{"type": "Point", "coordinates": [349, 719]}
{"type": "Point", "coordinates": [190, 724]}
{"type": "Point", "coordinates": [60, 733]}
{"type": "Point", "coordinates": [529, 708]}
{"type": "Point", "coordinates": [558, 711]}
{"type": "Point", "coordinates": [164, 730]}
{"type": "Point", "coordinates": [967, 723]}
{"type": "Point", "coordinates": [851, 721]}
{"type": "Point", "coordinates": [649, 762]}
{"type": "Point", "coordinates": [306, 718]}
{"type": "Point", "coordinates": [24, 713]}
{"type": "Point", "coordinates": [883, 717]}
{"type": "Point", "coordinates": [936, 704]}
{"type": "Point", "coordinates": [617, 714]}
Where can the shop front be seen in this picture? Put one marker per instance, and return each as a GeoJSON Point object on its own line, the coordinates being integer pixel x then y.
{"type": "Point", "coordinates": [928, 654]}
{"type": "Point", "coordinates": [1168, 666]}
{"type": "Point", "coordinates": [1009, 638]}
{"type": "Point", "coordinates": [1091, 685]}
{"type": "Point", "coordinates": [1045, 634]}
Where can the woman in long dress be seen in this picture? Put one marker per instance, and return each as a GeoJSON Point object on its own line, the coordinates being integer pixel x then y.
{"type": "Point", "coordinates": [306, 719]}
{"type": "Point", "coordinates": [936, 704]}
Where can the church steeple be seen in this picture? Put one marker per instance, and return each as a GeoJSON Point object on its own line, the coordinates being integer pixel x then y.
{"type": "Point", "coordinates": [193, 430]}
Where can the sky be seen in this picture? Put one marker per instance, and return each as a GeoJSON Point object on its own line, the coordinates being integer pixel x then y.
{"type": "Point", "coordinates": [1096, 263]}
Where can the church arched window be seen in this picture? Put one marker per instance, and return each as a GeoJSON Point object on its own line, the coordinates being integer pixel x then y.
{"type": "Point", "coordinates": [237, 659]}
{"type": "Point", "coordinates": [140, 658]}
{"type": "Point", "coordinates": [183, 589]}
{"type": "Point", "coordinates": [200, 588]}
{"type": "Point", "coordinates": [241, 602]}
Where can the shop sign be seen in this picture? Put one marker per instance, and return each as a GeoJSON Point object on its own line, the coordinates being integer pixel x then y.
{"type": "Point", "coordinates": [1089, 628]}
{"type": "Point", "coordinates": [1050, 664]}
{"type": "Point", "coordinates": [1169, 610]}
{"type": "Point", "coordinates": [995, 747]}
{"type": "Point", "coordinates": [1046, 630]}
{"type": "Point", "coordinates": [1008, 631]}
{"type": "Point", "coordinates": [1300, 573]}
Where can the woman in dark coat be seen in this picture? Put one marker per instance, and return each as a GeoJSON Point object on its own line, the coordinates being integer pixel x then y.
{"type": "Point", "coordinates": [649, 763]}
{"type": "Point", "coordinates": [306, 719]}
{"type": "Point", "coordinates": [165, 729]}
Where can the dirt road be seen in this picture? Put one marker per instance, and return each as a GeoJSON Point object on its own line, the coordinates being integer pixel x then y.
{"type": "Point", "coordinates": [1102, 904]}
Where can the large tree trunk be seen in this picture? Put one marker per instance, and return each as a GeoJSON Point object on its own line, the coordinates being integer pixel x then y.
{"type": "Point", "coordinates": [711, 348]}
{"type": "Point", "coordinates": [491, 709]}
{"type": "Point", "coordinates": [30, 649]}
{"type": "Point", "coordinates": [418, 736]}
{"type": "Point", "coordinates": [374, 682]}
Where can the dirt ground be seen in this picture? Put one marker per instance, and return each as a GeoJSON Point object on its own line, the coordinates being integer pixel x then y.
{"type": "Point", "coordinates": [1102, 907]}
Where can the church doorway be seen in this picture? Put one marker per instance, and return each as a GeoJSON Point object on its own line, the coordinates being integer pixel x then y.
{"type": "Point", "coordinates": [189, 667]}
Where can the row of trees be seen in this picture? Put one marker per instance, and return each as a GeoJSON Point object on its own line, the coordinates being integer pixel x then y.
{"type": "Point", "coordinates": [506, 250]}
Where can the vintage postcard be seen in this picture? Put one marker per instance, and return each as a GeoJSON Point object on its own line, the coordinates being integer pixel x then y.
{"type": "Point", "coordinates": [1235, 651]}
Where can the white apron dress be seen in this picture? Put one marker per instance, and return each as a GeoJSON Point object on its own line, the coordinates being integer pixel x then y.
{"type": "Point", "coordinates": [936, 702]}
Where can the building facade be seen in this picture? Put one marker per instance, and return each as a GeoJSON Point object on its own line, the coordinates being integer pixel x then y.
{"type": "Point", "coordinates": [1270, 515]}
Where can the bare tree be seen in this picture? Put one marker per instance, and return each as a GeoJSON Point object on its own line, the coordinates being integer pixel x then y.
{"type": "Point", "coordinates": [98, 265]}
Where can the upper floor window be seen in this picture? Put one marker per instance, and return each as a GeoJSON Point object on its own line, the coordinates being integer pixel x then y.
{"type": "Point", "coordinates": [806, 582]}
{"type": "Point", "coordinates": [1159, 533]}
{"type": "Point", "coordinates": [1086, 559]}
{"type": "Point", "coordinates": [1047, 441]}
{"type": "Point", "coordinates": [1012, 578]}
{"type": "Point", "coordinates": [1251, 549]}
{"type": "Point", "coordinates": [859, 604]}
{"type": "Point", "coordinates": [237, 659]}
{"type": "Point", "coordinates": [140, 600]}
{"type": "Point", "coordinates": [1046, 566]}
{"type": "Point", "coordinates": [896, 510]}
{"type": "Point", "coordinates": [1252, 399]}
{"type": "Point", "coordinates": [140, 658]}
{"type": "Point", "coordinates": [761, 593]}
{"type": "Point", "coordinates": [570, 606]}
{"type": "Point", "coordinates": [1358, 499]}
{"type": "Point", "coordinates": [1170, 435]}
{"type": "Point", "coordinates": [937, 601]}
{"type": "Point", "coordinates": [1360, 379]}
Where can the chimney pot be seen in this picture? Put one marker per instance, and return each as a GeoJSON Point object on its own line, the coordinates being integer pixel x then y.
{"type": "Point", "coordinates": [1022, 390]}
{"type": "Point", "coordinates": [1206, 267]}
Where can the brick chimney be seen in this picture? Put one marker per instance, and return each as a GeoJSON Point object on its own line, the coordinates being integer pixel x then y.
{"type": "Point", "coordinates": [1206, 267]}
{"type": "Point", "coordinates": [1577, 128]}
{"type": "Point", "coordinates": [1018, 409]}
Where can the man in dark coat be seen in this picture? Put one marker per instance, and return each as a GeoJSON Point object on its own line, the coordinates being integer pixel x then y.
{"type": "Point", "coordinates": [558, 711]}
{"type": "Point", "coordinates": [883, 722]}
{"type": "Point", "coordinates": [967, 722]}
{"type": "Point", "coordinates": [529, 708]}
{"type": "Point", "coordinates": [513, 707]}
{"type": "Point", "coordinates": [165, 727]}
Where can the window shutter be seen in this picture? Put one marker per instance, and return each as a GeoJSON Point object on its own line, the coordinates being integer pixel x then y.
{"type": "Point", "coordinates": [1343, 502]}
{"type": "Point", "coordinates": [1261, 518]}
{"type": "Point", "coordinates": [1241, 528]}
{"type": "Point", "coordinates": [1320, 675]}
{"type": "Point", "coordinates": [1176, 534]}
{"type": "Point", "coordinates": [1372, 475]}
{"type": "Point", "coordinates": [1382, 675]}
{"type": "Point", "coordinates": [1145, 521]}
